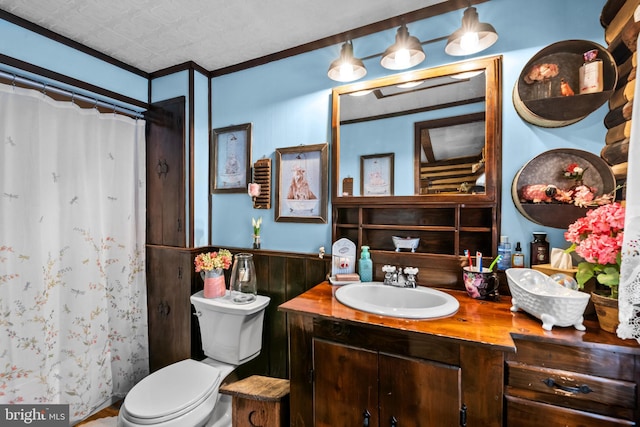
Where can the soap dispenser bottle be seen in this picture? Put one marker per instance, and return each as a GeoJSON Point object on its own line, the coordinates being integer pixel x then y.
{"type": "Point", "coordinates": [365, 265]}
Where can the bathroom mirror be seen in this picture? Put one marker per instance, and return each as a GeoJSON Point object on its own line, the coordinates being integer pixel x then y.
{"type": "Point", "coordinates": [441, 125]}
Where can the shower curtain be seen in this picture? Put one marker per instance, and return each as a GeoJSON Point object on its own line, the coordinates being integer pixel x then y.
{"type": "Point", "coordinates": [629, 290]}
{"type": "Point", "coordinates": [73, 315]}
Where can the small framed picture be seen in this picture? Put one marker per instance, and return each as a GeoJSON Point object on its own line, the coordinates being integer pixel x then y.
{"type": "Point", "coordinates": [231, 159]}
{"type": "Point", "coordinates": [301, 184]}
{"type": "Point", "coordinates": [376, 175]}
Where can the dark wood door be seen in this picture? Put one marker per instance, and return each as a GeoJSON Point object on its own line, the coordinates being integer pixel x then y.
{"type": "Point", "coordinates": [345, 385]}
{"type": "Point", "coordinates": [166, 201]}
{"type": "Point", "coordinates": [418, 393]}
{"type": "Point", "coordinates": [169, 308]}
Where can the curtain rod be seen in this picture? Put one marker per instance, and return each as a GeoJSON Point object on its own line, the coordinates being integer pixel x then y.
{"type": "Point", "coordinates": [45, 87]}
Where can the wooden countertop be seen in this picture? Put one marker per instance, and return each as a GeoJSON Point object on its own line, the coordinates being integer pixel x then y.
{"type": "Point", "coordinates": [486, 323]}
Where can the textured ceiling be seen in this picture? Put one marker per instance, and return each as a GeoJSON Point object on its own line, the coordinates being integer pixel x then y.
{"type": "Point", "coordinates": [155, 34]}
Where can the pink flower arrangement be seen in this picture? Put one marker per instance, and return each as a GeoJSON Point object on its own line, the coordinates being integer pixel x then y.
{"type": "Point", "coordinates": [213, 260]}
{"type": "Point", "coordinates": [597, 237]}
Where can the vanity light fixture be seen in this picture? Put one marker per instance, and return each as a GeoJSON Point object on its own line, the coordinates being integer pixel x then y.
{"type": "Point", "coordinates": [347, 68]}
{"type": "Point", "coordinates": [405, 53]}
{"type": "Point", "coordinates": [472, 37]}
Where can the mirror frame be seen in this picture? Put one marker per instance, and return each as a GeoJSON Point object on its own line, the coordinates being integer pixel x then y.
{"type": "Point", "coordinates": [493, 132]}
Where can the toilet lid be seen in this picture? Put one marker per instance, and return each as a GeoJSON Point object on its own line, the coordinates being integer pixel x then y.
{"type": "Point", "coordinates": [172, 391]}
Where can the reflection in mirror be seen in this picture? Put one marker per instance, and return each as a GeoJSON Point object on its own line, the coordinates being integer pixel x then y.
{"type": "Point", "coordinates": [440, 124]}
{"type": "Point", "coordinates": [451, 155]}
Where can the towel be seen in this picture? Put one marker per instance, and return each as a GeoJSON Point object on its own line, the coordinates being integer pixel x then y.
{"type": "Point", "coordinates": [560, 259]}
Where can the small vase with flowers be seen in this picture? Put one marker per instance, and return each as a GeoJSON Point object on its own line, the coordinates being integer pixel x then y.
{"type": "Point", "coordinates": [210, 265]}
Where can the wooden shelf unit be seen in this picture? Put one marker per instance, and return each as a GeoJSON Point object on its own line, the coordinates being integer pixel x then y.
{"type": "Point", "coordinates": [445, 231]}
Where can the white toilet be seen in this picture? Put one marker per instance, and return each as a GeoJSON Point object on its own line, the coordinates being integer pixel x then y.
{"type": "Point", "coordinates": [185, 394]}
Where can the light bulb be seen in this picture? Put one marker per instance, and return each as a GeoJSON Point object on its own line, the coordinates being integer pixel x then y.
{"type": "Point", "coordinates": [346, 70]}
{"type": "Point", "coordinates": [402, 58]}
{"type": "Point", "coordinates": [469, 41]}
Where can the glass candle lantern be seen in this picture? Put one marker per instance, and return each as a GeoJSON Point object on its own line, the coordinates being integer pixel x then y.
{"type": "Point", "coordinates": [243, 279]}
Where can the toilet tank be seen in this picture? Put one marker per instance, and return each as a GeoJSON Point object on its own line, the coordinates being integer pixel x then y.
{"type": "Point", "coordinates": [230, 332]}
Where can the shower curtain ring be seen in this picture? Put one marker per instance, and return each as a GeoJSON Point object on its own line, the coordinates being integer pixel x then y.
{"type": "Point", "coordinates": [13, 82]}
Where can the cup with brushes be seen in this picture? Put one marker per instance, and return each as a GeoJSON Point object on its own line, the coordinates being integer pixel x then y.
{"type": "Point", "coordinates": [480, 282]}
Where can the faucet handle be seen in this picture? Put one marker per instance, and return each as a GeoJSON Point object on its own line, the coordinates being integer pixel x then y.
{"type": "Point", "coordinates": [388, 268]}
{"type": "Point", "coordinates": [411, 271]}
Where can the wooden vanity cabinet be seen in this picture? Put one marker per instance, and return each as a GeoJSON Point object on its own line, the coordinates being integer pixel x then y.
{"type": "Point", "coordinates": [347, 374]}
{"type": "Point", "coordinates": [501, 366]}
{"type": "Point", "coordinates": [354, 385]}
{"type": "Point", "coordinates": [557, 385]}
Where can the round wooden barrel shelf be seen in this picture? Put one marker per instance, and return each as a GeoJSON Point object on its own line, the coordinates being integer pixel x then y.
{"type": "Point", "coordinates": [541, 103]}
{"type": "Point", "coordinates": [547, 168]}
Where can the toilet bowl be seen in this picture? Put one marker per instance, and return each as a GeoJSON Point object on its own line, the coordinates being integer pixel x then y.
{"type": "Point", "coordinates": [185, 393]}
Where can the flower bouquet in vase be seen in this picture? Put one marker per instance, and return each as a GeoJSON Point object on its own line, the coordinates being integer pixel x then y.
{"type": "Point", "coordinates": [597, 238]}
{"type": "Point", "coordinates": [256, 232]}
{"type": "Point", "coordinates": [210, 265]}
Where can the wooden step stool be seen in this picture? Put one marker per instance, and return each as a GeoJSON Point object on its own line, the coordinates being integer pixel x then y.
{"type": "Point", "coordinates": [259, 401]}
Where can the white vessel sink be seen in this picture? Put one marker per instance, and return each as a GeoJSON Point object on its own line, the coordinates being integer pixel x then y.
{"type": "Point", "coordinates": [385, 300]}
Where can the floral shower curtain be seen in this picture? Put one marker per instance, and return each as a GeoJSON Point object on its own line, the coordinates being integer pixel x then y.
{"type": "Point", "coordinates": [629, 297]}
{"type": "Point", "coordinates": [72, 276]}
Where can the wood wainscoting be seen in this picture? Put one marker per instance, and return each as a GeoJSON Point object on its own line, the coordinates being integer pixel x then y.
{"type": "Point", "coordinates": [174, 333]}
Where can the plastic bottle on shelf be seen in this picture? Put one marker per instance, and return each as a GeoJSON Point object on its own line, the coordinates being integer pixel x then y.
{"type": "Point", "coordinates": [365, 265]}
{"type": "Point", "coordinates": [504, 249]}
{"type": "Point", "coordinates": [517, 259]}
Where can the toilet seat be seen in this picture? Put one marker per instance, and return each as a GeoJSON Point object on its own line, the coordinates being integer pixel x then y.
{"type": "Point", "coordinates": [171, 392]}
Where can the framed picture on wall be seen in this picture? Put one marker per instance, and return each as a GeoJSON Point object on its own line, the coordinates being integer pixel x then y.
{"type": "Point", "coordinates": [376, 175]}
{"type": "Point", "coordinates": [301, 184]}
{"type": "Point", "coordinates": [231, 159]}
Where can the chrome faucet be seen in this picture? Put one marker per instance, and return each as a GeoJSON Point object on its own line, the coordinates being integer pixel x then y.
{"type": "Point", "coordinates": [397, 276]}
{"type": "Point", "coordinates": [401, 280]}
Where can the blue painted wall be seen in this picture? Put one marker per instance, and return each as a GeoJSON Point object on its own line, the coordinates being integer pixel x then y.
{"type": "Point", "coordinates": [33, 48]}
{"type": "Point", "coordinates": [289, 104]}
